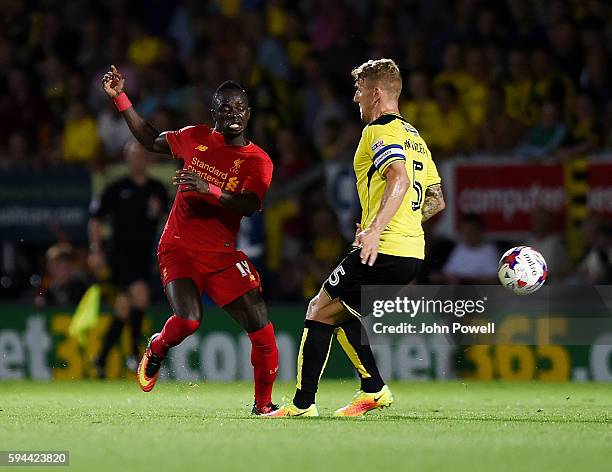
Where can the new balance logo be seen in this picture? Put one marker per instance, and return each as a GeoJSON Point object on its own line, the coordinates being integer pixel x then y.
{"type": "Point", "coordinates": [201, 147]}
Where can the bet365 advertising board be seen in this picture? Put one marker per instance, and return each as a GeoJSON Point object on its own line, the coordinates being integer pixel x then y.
{"type": "Point", "coordinates": [34, 344]}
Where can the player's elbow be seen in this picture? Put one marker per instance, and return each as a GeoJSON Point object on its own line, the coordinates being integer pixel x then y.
{"type": "Point", "coordinates": [398, 179]}
{"type": "Point", "coordinates": [401, 184]}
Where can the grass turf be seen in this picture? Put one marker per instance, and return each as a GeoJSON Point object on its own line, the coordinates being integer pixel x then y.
{"type": "Point", "coordinates": [112, 426]}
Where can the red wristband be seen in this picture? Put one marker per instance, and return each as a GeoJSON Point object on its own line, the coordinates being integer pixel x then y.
{"type": "Point", "coordinates": [214, 191]}
{"type": "Point", "coordinates": [122, 102]}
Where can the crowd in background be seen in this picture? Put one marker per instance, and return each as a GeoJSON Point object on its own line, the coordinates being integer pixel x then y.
{"type": "Point", "coordinates": [529, 79]}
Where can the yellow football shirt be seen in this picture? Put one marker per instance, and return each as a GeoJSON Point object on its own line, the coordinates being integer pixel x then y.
{"type": "Point", "coordinates": [389, 139]}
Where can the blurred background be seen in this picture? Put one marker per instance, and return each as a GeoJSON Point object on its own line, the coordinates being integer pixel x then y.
{"type": "Point", "coordinates": [513, 98]}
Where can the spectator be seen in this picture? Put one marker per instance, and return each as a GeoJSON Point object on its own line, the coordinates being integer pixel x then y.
{"type": "Point", "coordinates": [80, 142]}
{"type": "Point", "coordinates": [159, 92]}
{"type": "Point", "coordinates": [416, 57]}
{"type": "Point", "coordinates": [548, 242]}
{"type": "Point", "coordinates": [563, 39]}
{"type": "Point", "coordinates": [453, 69]}
{"type": "Point", "coordinates": [450, 131]}
{"type": "Point", "coordinates": [523, 23]}
{"type": "Point", "coordinates": [329, 110]}
{"type": "Point", "coordinates": [543, 139]}
{"type": "Point", "coordinates": [474, 96]}
{"type": "Point", "coordinates": [298, 47]}
{"type": "Point", "coordinates": [340, 179]}
{"type": "Point", "coordinates": [489, 27]}
{"type": "Point", "coordinates": [499, 132]}
{"type": "Point", "coordinates": [472, 260]}
{"type": "Point", "coordinates": [63, 284]}
{"type": "Point", "coordinates": [519, 88]}
{"type": "Point", "coordinates": [421, 110]}
{"type": "Point", "coordinates": [329, 138]}
{"type": "Point", "coordinates": [550, 84]}
{"type": "Point", "coordinates": [608, 126]}
{"type": "Point", "coordinates": [586, 134]}
{"type": "Point", "coordinates": [596, 265]}
{"type": "Point", "coordinates": [325, 248]}
{"type": "Point", "coordinates": [24, 109]}
{"type": "Point", "coordinates": [292, 158]}
{"type": "Point", "coordinates": [18, 155]}
{"type": "Point", "coordinates": [113, 132]}
{"type": "Point", "coordinates": [92, 53]}
{"type": "Point", "coordinates": [144, 49]}
{"type": "Point", "coordinates": [595, 77]}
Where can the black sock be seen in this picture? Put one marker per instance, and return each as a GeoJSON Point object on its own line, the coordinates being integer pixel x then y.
{"type": "Point", "coordinates": [110, 339]}
{"type": "Point", "coordinates": [354, 341]}
{"type": "Point", "coordinates": [314, 350]}
{"type": "Point", "coordinates": [136, 315]}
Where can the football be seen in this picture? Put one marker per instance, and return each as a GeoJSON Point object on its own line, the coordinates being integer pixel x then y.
{"type": "Point", "coordinates": [522, 270]}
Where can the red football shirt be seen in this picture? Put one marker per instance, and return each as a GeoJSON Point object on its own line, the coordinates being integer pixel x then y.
{"type": "Point", "coordinates": [199, 221]}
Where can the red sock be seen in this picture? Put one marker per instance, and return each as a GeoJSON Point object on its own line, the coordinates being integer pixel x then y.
{"type": "Point", "coordinates": [264, 357]}
{"type": "Point", "coordinates": [175, 330]}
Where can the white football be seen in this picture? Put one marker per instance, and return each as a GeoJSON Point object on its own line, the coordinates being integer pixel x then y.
{"type": "Point", "coordinates": [522, 269]}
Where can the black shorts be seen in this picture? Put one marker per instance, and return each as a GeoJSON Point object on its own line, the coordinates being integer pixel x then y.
{"type": "Point", "coordinates": [346, 280]}
{"type": "Point", "coordinates": [129, 264]}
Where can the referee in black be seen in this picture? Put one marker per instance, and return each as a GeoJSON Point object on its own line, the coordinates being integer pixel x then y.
{"type": "Point", "coordinates": [134, 206]}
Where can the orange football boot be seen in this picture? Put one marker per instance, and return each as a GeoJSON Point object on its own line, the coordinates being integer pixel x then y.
{"type": "Point", "coordinates": [148, 369]}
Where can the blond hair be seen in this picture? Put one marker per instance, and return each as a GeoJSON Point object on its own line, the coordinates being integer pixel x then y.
{"type": "Point", "coordinates": [384, 72]}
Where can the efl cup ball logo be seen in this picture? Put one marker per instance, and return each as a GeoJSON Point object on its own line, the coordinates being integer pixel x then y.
{"type": "Point", "coordinates": [522, 269]}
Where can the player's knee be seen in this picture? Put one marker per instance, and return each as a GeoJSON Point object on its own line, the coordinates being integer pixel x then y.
{"type": "Point", "coordinates": [257, 321]}
{"type": "Point", "coordinates": [313, 308]}
{"type": "Point", "coordinates": [184, 299]}
{"type": "Point", "coordinates": [191, 313]}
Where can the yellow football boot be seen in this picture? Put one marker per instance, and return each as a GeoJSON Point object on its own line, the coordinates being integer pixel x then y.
{"type": "Point", "coordinates": [363, 402]}
{"type": "Point", "coordinates": [289, 410]}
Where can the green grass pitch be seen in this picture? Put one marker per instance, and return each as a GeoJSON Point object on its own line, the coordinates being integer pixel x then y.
{"type": "Point", "coordinates": [454, 426]}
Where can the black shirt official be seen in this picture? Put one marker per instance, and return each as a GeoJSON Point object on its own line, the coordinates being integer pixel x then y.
{"type": "Point", "coordinates": [134, 206]}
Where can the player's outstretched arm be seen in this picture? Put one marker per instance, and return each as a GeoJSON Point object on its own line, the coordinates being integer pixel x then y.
{"type": "Point", "coordinates": [397, 184]}
{"type": "Point", "coordinates": [433, 202]}
{"type": "Point", "coordinates": [245, 203]}
{"type": "Point", "coordinates": [144, 132]}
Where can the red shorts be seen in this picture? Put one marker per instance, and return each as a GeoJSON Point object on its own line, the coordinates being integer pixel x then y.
{"type": "Point", "coordinates": [224, 276]}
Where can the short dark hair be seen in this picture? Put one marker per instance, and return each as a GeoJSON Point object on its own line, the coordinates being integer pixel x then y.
{"type": "Point", "coordinates": [228, 85]}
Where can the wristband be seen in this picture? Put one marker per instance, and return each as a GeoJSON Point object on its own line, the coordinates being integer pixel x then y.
{"type": "Point", "coordinates": [122, 102]}
{"type": "Point", "coordinates": [214, 191]}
